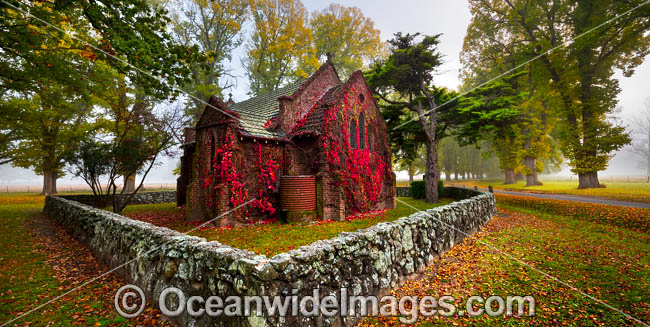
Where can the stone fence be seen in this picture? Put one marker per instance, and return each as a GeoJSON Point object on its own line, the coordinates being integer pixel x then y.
{"type": "Point", "coordinates": [366, 262]}
{"type": "Point", "coordinates": [450, 191]}
{"type": "Point", "coordinates": [138, 198]}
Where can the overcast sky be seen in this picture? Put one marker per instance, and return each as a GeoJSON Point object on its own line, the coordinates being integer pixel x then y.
{"type": "Point", "coordinates": [427, 17]}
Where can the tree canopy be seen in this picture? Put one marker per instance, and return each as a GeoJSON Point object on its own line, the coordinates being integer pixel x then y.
{"type": "Point", "coordinates": [589, 42]}
{"type": "Point", "coordinates": [280, 49]}
{"type": "Point", "coordinates": [348, 36]}
{"type": "Point", "coordinates": [404, 81]}
{"type": "Point", "coordinates": [56, 58]}
{"type": "Point", "coordinates": [215, 27]}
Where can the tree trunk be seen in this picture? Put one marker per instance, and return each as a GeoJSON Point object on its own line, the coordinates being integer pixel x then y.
{"type": "Point", "coordinates": [447, 176]}
{"type": "Point", "coordinates": [588, 180]}
{"type": "Point", "coordinates": [129, 184]}
{"type": "Point", "coordinates": [49, 182]}
{"type": "Point", "coordinates": [531, 164]}
{"type": "Point", "coordinates": [411, 172]}
{"type": "Point", "coordinates": [518, 177]}
{"type": "Point", "coordinates": [510, 175]}
{"type": "Point", "coordinates": [431, 176]}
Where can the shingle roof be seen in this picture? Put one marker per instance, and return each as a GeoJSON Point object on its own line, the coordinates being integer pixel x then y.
{"type": "Point", "coordinates": [255, 112]}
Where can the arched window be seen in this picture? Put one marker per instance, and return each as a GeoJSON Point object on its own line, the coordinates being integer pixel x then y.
{"type": "Point", "coordinates": [212, 151]}
{"type": "Point", "coordinates": [362, 131]}
{"type": "Point", "coordinates": [353, 134]}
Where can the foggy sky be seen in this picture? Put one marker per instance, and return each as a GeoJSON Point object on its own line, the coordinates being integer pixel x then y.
{"type": "Point", "coordinates": [408, 16]}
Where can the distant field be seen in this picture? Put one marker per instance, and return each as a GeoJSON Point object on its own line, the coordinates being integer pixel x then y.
{"type": "Point", "coordinates": [613, 190]}
{"type": "Point", "coordinates": [67, 189]}
{"type": "Point", "coordinates": [36, 197]}
{"type": "Point", "coordinates": [402, 183]}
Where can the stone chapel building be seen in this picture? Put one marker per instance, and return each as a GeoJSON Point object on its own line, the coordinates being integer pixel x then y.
{"type": "Point", "coordinates": [318, 146]}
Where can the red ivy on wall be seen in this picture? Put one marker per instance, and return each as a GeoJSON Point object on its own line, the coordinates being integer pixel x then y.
{"type": "Point", "coordinates": [362, 172]}
{"type": "Point", "coordinates": [224, 172]}
{"type": "Point", "coordinates": [267, 179]}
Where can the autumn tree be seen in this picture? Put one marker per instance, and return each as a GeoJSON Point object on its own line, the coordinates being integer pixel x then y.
{"type": "Point", "coordinates": [130, 141]}
{"type": "Point", "coordinates": [404, 81]}
{"type": "Point", "coordinates": [280, 49]}
{"type": "Point", "coordinates": [491, 112]}
{"type": "Point", "coordinates": [216, 28]}
{"type": "Point", "coordinates": [51, 121]}
{"type": "Point", "coordinates": [589, 45]}
{"type": "Point", "coordinates": [346, 34]}
{"type": "Point", "coordinates": [125, 34]}
{"type": "Point", "coordinates": [488, 53]}
{"type": "Point", "coordinates": [8, 132]}
{"type": "Point", "coordinates": [48, 54]}
{"type": "Point", "coordinates": [49, 113]}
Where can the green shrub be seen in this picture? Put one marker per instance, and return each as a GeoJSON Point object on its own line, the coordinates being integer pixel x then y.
{"type": "Point", "coordinates": [418, 190]}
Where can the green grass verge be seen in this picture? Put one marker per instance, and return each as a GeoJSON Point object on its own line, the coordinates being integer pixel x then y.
{"type": "Point", "coordinates": [26, 280]}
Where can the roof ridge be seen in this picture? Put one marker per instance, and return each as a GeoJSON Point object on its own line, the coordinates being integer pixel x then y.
{"type": "Point", "coordinates": [288, 86]}
{"type": "Point", "coordinates": [313, 76]}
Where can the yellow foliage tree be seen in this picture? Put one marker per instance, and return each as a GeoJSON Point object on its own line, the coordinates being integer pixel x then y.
{"type": "Point", "coordinates": [280, 49]}
{"type": "Point", "coordinates": [215, 27]}
{"type": "Point", "coordinates": [349, 36]}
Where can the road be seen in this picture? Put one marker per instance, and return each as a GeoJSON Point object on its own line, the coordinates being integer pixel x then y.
{"type": "Point", "coordinates": [568, 197]}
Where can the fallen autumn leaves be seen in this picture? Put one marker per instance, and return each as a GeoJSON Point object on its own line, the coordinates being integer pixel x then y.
{"type": "Point", "coordinates": [596, 255]}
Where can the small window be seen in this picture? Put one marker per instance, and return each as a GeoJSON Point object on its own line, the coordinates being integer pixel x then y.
{"type": "Point", "coordinates": [353, 135]}
{"type": "Point", "coordinates": [362, 130]}
{"type": "Point", "coordinates": [361, 98]}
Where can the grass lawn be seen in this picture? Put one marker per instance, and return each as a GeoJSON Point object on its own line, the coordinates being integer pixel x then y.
{"type": "Point", "coordinates": [271, 239]}
{"type": "Point", "coordinates": [617, 191]}
{"type": "Point", "coordinates": [608, 262]}
{"type": "Point", "coordinates": [35, 269]}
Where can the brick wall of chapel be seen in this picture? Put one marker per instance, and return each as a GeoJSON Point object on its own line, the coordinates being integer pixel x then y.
{"type": "Point", "coordinates": [293, 110]}
{"type": "Point", "coordinates": [333, 196]}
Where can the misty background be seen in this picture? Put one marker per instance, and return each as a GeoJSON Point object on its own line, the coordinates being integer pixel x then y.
{"type": "Point", "coordinates": [450, 18]}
